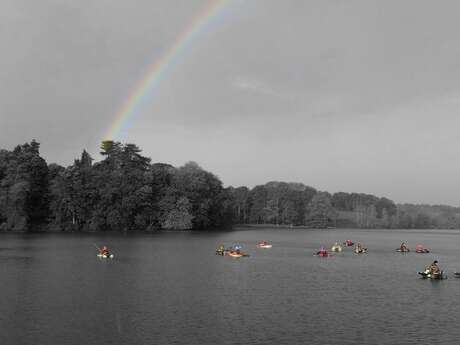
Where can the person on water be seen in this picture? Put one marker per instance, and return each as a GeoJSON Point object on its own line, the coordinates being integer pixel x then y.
{"type": "Point", "coordinates": [221, 249]}
{"type": "Point", "coordinates": [420, 249]}
{"type": "Point", "coordinates": [433, 268]}
{"type": "Point", "coordinates": [322, 251]}
{"type": "Point", "coordinates": [104, 251]}
{"type": "Point", "coordinates": [359, 248]}
{"type": "Point", "coordinates": [403, 247]}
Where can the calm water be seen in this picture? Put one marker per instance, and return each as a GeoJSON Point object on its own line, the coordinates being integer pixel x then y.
{"type": "Point", "coordinates": [171, 288]}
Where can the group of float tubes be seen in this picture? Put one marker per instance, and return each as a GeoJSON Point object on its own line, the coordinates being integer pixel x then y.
{"type": "Point", "coordinates": [236, 252]}
{"type": "Point", "coordinates": [431, 272]}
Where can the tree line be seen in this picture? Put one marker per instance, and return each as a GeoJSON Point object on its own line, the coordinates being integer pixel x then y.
{"type": "Point", "coordinates": [126, 191]}
{"type": "Point", "coordinates": [123, 191]}
{"type": "Point", "coordinates": [296, 204]}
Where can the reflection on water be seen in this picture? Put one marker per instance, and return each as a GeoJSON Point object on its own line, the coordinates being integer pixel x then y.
{"type": "Point", "coordinates": [171, 288]}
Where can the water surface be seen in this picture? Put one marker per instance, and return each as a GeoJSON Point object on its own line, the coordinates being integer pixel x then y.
{"type": "Point", "coordinates": [171, 288]}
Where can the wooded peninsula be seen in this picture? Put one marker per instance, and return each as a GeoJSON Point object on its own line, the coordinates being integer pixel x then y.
{"type": "Point", "coordinates": [126, 192]}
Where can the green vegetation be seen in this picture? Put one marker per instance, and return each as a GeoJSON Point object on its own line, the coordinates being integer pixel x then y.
{"type": "Point", "coordinates": [295, 204]}
{"type": "Point", "coordinates": [125, 191]}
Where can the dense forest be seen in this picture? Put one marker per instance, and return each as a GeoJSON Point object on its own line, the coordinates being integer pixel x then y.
{"type": "Point", "coordinates": [126, 191]}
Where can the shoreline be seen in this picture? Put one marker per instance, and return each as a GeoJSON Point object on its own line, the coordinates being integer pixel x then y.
{"type": "Point", "coordinates": [237, 227]}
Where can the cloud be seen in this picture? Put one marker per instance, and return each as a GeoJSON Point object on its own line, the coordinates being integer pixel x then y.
{"type": "Point", "coordinates": [256, 86]}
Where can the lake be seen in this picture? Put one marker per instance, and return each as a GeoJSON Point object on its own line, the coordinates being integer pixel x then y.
{"type": "Point", "coordinates": [171, 288]}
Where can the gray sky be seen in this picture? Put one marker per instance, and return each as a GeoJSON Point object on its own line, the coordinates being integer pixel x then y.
{"type": "Point", "coordinates": [341, 95]}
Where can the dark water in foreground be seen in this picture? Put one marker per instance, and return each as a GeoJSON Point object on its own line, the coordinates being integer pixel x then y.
{"type": "Point", "coordinates": [171, 288]}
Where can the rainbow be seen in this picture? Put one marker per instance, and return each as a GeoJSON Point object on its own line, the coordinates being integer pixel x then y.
{"type": "Point", "coordinates": [159, 68]}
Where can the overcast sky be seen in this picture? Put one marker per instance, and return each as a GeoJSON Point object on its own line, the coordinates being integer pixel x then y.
{"type": "Point", "coordinates": [355, 96]}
